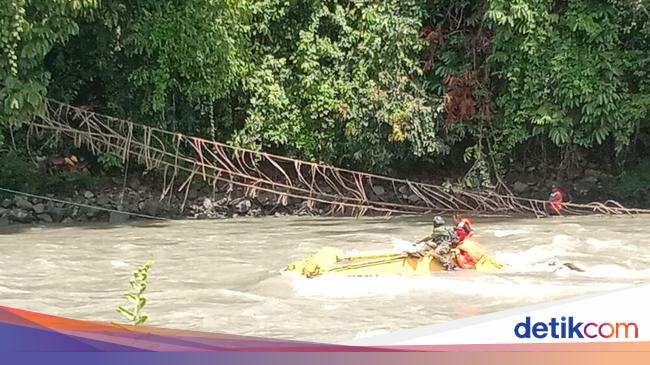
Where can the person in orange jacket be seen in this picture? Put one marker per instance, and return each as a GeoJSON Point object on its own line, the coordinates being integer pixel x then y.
{"type": "Point", "coordinates": [463, 229]}
{"type": "Point", "coordinates": [463, 258]}
{"type": "Point", "coordinates": [555, 201]}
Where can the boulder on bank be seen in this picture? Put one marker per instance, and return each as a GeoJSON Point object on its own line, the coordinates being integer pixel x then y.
{"type": "Point", "coordinates": [519, 187]}
{"type": "Point", "coordinates": [151, 207]}
{"type": "Point", "coordinates": [266, 198]}
{"type": "Point", "coordinates": [242, 205]}
{"type": "Point", "coordinates": [378, 190]}
{"type": "Point", "coordinates": [134, 183]}
{"type": "Point", "coordinates": [39, 208]}
{"type": "Point", "coordinates": [45, 218]}
{"type": "Point", "coordinates": [207, 204]}
{"type": "Point", "coordinates": [117, 217]}
{"type": "Point", "coordinates": [21, 215]}
{"type": "Point", "coordinates": [23, 203]}
{"type": "Point", "coordinates": [91, 212]}
{"type": "Point", "coordinates": [413, 198]}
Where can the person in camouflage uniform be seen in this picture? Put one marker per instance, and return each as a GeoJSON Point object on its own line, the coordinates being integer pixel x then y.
{"type": "Point", "coordinates": [440, 243]}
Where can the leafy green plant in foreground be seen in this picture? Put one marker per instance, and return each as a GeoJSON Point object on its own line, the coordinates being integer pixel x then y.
{"type": "Point", "coordinates": [139, 285]}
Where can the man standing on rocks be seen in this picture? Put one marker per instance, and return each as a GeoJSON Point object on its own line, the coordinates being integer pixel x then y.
{"type": "Point", "coordinates": [555, 201]}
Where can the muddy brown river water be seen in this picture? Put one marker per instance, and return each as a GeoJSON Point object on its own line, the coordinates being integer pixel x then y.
{"type": "Point", "coordinates": [225, 276]}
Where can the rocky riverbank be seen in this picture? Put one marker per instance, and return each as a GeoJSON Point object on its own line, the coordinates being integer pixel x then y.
{"type": "Point", "coordinates": [114, 205]}
{"type": "Point", "coordinates": [111, 204]}
{"type": "Point", "coordinates": [141, 198]}
{"type": "Point", "coordinates": [581, 184]}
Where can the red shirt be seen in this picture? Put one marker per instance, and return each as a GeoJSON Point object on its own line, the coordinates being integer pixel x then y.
{"type": "Point", "coordinates": [556, 199]}
{"type": "Point", "coordinates": [461, 233]}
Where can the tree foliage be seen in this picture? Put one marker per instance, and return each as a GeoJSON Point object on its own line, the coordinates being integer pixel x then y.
{"type": "Point", "coordinates": [345, 88]}
{"type": "Point", "coordinates": [29, 31]}
{"type": "Point", "coordinates": [566, 72]}
{"type": "Point", "coordinates": [364, 84]}
{"type": "Point", "coordinates": [161, 62]}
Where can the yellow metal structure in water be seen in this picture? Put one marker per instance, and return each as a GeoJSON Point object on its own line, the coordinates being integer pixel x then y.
{"type": "Point", "coordinates": [333, 261]}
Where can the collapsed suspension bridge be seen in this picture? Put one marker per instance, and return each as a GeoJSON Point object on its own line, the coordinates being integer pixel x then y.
{"type": "Point", "coordinates": [182, 158]}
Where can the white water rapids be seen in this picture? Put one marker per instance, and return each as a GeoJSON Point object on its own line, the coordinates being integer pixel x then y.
{"type": "Point", "coordinates": [224, 276]}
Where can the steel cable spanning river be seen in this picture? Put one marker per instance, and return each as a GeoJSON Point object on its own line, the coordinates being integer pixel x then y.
{"type": "Point", "coordinates": [225, 276]}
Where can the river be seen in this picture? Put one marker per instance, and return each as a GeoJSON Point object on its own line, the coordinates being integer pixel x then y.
{"type": "Point", "coordinates": [224, 275]}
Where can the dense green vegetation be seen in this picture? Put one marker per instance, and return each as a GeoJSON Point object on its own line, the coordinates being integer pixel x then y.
{"type": "Point", "coordinates": [366, 84]}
